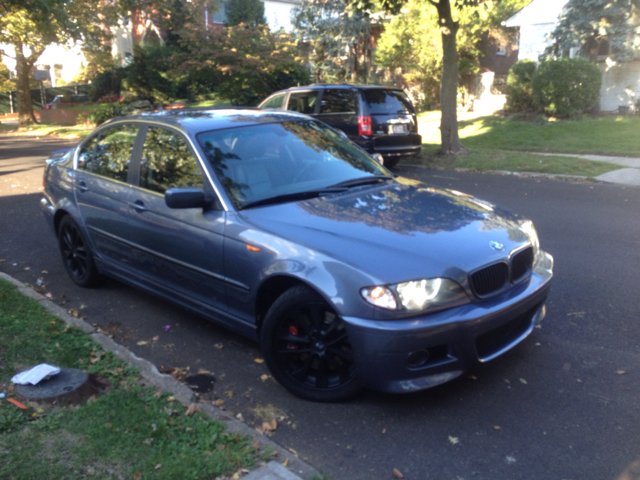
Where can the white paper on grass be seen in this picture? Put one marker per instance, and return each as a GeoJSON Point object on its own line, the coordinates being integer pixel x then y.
{"type": "Point", "coordinates": [35, 375]}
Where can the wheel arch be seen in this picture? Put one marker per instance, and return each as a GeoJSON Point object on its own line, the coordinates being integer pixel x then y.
{"type": "Point", "coordinates": [271, 289]}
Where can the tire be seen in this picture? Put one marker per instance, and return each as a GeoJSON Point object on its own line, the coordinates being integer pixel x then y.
{"type": "Point", "coordinates": [305, 345]}
{"type": "Point", "coordinates": [391, 162]}
{"type": "Point", "coordinates": [76, 254]}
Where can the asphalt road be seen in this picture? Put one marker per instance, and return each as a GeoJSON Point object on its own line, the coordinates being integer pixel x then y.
{"type": "Point", "coordinates": [563, 405]}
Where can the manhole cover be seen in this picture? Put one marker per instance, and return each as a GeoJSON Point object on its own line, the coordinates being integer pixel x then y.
{"type": "Point", "coordinates": [67, 381]}
{"type": "Point", "coordinates": [200, 383]}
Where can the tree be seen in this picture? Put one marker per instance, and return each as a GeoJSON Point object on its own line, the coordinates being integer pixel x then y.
{"type": "Point", "coordinates": [248, 12]}
{"type": "Point", "coordinates": [30, 26]}
{"type": "Point", "coordinates": [6, 82]}
{"type": "Point", "coordinates": [441, 59]}
{"type": "Point", "coordinates": [242, 64]}
{"type": "Point", "coordinates": [339, 38]}
{"type": "Point", "coordinates": [598, 27]}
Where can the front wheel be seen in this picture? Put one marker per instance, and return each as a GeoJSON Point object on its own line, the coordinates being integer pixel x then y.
{"type": "Point", "coordinates": [76, 255]}
{"type": "Point", "coordinates": [306, 347]}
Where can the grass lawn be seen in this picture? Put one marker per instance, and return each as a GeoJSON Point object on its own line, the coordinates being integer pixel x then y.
{"type": "Point", "coordinates": [498, 143]}
{"type": "Point", "coordinates": [130, 432]}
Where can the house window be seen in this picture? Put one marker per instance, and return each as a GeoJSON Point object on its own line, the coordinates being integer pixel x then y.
{"type": "Point", "coordinates": [501, 50]}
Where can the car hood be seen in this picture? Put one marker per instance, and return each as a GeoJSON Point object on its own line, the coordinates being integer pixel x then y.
{"type": "Point", "coordinates": [399, 231]}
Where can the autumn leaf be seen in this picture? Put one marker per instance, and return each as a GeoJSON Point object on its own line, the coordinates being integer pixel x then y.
{"type": "Point", "coordinates": [397, 473]}
{"type": "Point", "coordinates": [453, 440]}
{"type": "Point", "coordinates": [259, 360]}
{"type": "Point", "coordinates": [193, 408]}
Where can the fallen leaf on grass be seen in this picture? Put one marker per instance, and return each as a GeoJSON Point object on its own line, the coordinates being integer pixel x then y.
{"type": "Point", "coordinates": [16, 403]}
{"type": "Point", "coordinates": [157, 467]}
{"type": "Point", "coordinates": [193, 408]}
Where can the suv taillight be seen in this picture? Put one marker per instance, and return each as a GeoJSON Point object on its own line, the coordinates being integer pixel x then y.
{"type": "Point", "coordinates": [364, 126]}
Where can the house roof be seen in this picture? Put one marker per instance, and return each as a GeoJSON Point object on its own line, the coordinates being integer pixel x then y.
{"type": "Point", "coordinates": [537, 12]}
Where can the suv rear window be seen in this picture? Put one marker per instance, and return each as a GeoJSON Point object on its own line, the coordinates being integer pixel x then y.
{"type": "Point", "coordinates": [338, 101]}
{"type": "Point", "coordinates": [387, 101]}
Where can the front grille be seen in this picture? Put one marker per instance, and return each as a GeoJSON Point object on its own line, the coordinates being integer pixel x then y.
{"type": "Point", "coordinates": [490, 279]}
{"type": "Point", "coordinates": [521, 264]}
{"type": "Point", "coordinates": [495, 340]}
{"type": "Point", "coordinates": [494, 278]}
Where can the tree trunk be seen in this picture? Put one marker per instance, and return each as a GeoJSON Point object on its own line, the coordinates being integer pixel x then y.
{"type": "Point", "coordinates": [450, 141]}
{"type": "Point", "coordinates": [25, 107]}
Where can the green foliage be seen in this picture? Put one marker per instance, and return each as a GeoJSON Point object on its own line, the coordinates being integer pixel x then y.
{"type": "Point", "coordinates": [6, 83]}
{"type": "Point", "coordinates": [247, 12]}
{"type": "Point", "coordinates": [338, 37]}
{"type": "Point", "coordinates": [412, 44]}
{"type": "Point", "coordinates": [591, 25]}
{"type": "Point", "coordinates": [150, 75]}
{"type": "Point", "coordinates": [241, 64]}
{"type": "Point", "coordinates": [519, 94]}
{"type": "Point", "coordinates": [566, 88]}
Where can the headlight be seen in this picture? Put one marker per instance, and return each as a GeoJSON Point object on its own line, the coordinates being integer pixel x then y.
{"type": "Point", "coordinates": [530, 231]}
{"type": "Point", "coordinates": [416, 295]}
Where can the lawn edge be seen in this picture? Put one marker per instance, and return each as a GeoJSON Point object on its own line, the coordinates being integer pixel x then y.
{"type": "Point", "coordinates": [166, 383]}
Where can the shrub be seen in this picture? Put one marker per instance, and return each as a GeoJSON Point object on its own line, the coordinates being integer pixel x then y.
{"type": "Point", "coordinates": [105, 112]}
{"type": "Point", "coordinates": [566, 88]}
{"type": "Point", "coordinates": [519, 96]}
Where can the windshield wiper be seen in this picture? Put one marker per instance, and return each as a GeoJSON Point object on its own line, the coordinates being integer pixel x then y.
{"type": "Point", "coordinates": [355, 182]}
{"type": "Point", "coordinates": [290, 197]}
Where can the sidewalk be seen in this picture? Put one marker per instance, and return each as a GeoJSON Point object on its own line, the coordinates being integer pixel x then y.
{"type": "Point", "coordinates": [622, 176]}
{"type": "Point", "coordinates": [296, 469]}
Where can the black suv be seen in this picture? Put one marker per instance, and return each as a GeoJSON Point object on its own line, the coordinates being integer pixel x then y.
{"type": "Point", "coordinates": [379, 119]}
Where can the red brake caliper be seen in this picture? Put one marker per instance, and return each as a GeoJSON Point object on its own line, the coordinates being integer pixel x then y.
{"type": "Point", "coordinates": [293, 330]}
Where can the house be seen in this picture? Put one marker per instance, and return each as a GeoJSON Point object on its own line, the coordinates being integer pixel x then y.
{"type": "Point", "coordinates": [620, 80]}
{"type": "Point", "coordinates": [277, 13]}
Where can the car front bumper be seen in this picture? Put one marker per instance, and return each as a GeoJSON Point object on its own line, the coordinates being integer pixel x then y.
{"type": "Point", "coordinates": [413, 354]}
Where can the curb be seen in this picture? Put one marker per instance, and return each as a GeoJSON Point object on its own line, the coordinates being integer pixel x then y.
{"type": "Point", "coordinates": [297, 468]}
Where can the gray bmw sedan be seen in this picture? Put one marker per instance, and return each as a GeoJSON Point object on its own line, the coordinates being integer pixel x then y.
{"type": "Point", "coordinates": [276, 226]}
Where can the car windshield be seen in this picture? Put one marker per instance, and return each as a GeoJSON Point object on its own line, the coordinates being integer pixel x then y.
{"type": "Point", "coordinates": [278, 161]}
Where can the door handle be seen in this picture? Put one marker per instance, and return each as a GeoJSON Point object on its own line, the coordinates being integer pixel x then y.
{"type": "Point", "coordinates": [82, 187]}
{"type": "Point", "coordinates": [138, 205]}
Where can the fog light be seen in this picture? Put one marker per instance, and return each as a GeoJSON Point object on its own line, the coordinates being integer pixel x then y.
{"type": "Point", "coordinates": [417, 359]}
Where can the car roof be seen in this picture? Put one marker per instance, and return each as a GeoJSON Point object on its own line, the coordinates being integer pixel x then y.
{"type": "Point", "coordinates": [326, 86]}
{"type": "Point", "coordinates": [196, 120]}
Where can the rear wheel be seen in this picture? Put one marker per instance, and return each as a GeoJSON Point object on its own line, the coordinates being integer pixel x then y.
{"type": "Point", "coordinates": [76, 255]}
{"type": "Point", "coordinates": [306, 347]}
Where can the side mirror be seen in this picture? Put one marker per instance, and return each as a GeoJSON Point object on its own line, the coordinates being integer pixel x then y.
{"type": "Point", "coordinates": [186, 197]}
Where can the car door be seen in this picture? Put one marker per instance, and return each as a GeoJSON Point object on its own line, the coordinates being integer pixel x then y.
{"type": "Point", "coordinates": [339, 108]}
{"type": "Point", "coordinates": [177, 252]}
{"type": "Point", "coordinates": [102, 188]}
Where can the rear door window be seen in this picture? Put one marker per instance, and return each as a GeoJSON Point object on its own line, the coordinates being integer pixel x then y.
{"type": "Point", "coordinates": [303, 102]}
{"type": "Point", "coordinates": [110, 155]}
{"type": "Point", "coordinates": [338, 101]}
{"type": "Point", "coordinates": [387, 102]}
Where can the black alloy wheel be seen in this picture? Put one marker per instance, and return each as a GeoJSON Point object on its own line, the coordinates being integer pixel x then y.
{"type": "Point", "coordinates": [76, 255]}
{"type": "Point", "coordinates": [307, 349]}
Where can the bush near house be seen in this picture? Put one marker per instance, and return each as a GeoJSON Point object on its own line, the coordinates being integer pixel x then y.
{"type": "Point", "coordinates": [566, 88]}
{"type": "Point", "coordinates": [519, 94]}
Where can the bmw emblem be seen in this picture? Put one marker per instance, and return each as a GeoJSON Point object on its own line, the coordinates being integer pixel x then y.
{"type": "Point", "coordinates": [496, 246]}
